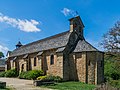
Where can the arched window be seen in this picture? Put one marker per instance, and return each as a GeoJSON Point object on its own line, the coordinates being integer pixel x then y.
{"type": "Point", "coordinates": [34, 61]}
{"type": "Point", "coordinates": [75, 25]}
{"type": "Point", "coordinates": [51, 59]}
{"type": "Point", "coordinates": [22, 67]}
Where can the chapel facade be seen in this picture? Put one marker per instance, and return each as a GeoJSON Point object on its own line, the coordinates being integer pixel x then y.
{"type": "Point", "coordinates": [67, 55]}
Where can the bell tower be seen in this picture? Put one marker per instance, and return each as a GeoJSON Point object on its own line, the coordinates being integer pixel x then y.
{"type": "Point", "coordinates": [76, 23]}
{"type": "Point", "coordinates": [18, 44]}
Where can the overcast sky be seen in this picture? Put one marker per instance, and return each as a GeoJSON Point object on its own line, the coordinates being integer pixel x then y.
{"type": "Point", "coordinates": [31, 20]}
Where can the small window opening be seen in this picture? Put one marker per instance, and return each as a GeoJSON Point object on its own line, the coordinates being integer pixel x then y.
{"type": "Point", "coordinates": [89, 62]}
{"type": "Point", "coordinates": [22, 68]}
{"type": "Point", "coordinates": [35, 61]}
{"type": "Point", "coordinates": [51, 59]}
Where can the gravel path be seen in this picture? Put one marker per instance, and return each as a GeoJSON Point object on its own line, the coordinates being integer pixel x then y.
{"type": "Point", "coordinates": [21, 84]}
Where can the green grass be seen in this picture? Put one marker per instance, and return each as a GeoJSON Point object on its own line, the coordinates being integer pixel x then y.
{"type": "Point", "coordinates": [115, 83]}
{"type": "Point", "coordinates": [71, 86]}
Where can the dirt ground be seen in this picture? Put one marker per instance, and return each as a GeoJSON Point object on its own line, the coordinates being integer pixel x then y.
{"type": "Point", "coordinates": [21, 84]}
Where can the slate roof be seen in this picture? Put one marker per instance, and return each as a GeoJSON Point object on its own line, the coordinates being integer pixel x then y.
{"type": "Point", "coordinates": [40, 53]}
{"type": "Point", "coordinates": [55, 41]}
{"type": "Point", "coordinates": [84, 46]}
{"type": "Point", "coordinates": [58, 41]}
{"type": "Point", "coordinates": [25, 56]}
{"type": "Point", "coordinates": [60, 49]}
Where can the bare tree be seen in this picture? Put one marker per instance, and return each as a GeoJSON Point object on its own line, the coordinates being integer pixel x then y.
{"type": "Point", "coordinates": [111, 40]}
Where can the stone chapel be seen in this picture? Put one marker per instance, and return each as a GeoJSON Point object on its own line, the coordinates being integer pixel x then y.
{"type": "Point", "coordinates": [66, 54]}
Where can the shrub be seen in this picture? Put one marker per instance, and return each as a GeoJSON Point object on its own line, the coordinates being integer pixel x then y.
{"type": "Point", "coordinates": [2, 74]}
{"type": "Point", "coordinates": [23, 75]}
{"type": "Point", "coordinates": [112, 67]}
{"type": "Point", "coordinates": [42, 78]}
{"type": "Point", "coordinates": [50, 78]}
{"type": "Point", "coordinates": [115, 76]}
{"type": "Point", "coordinates": [115, 83]}
{"type": "Point", "coordinates": [33, 74]}
{"type": "Point", "coordinates": [107, 78]}
{"type": "Point", "coordinates": [11, 73]}
{"type": "Point", "coordinates": [57, 79]}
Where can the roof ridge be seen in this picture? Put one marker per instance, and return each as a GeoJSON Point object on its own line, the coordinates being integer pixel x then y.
{"type": "Point", "coordinates": [47, 38]}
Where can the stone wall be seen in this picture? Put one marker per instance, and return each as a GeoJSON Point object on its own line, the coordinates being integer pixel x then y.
{"type": "Point", "coordinates": [81, 66]}
{"type": "Point", "coordinates": [100, 67]}
{"type": "Point", "coordinates": [56, 68]}
{"type": "Point", "coordinates": [10, 63]}
{"type": "Point", "coordinates": [22, 62]}
{"type": "Point", "coordinates": [26, 61]}
{"type": "Point", "coordinates": [77, 67]}
{"type": "Point", "coordinates": [65, 68]}
{"type": "Point", "coordinates": [8, 66]}
{"type": "Point", "coordinates": [86, 67]}
{"type": "Point", "coordinates": [51, 68]}
{"type": "Point", "coordinates": [95, 65]}
{"type": "Point", "coordinates": [91, 65]}
{"type": "Point", "coordinates": [38, 62]}
{"type": "Point", "coordinates": [42, 63]}
{"type": "Point", "coordinates": [72, 67]}
{"type": "Point", "coordinates": [59, 64]}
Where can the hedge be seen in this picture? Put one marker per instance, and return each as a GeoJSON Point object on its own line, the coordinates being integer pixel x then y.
{"type": "Point", "coordinates": [11, 73]}
{"type": "Point", "coordinates": [2, 74]}
{"type": "Point", "coordinates": [33, 74]}
{"type": "Point", "coordinates": [50, 78]}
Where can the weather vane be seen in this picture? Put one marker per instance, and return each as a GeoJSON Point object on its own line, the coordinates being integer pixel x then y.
{"type": "Point", "coordinates": [75, 13]}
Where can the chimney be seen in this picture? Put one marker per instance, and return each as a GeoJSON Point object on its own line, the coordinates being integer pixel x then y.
{"type": "Point", "coordinates": [75, 22]}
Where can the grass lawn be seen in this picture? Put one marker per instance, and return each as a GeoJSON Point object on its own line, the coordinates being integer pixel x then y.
{"type": "Point", "coordinates": [71, 86]}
